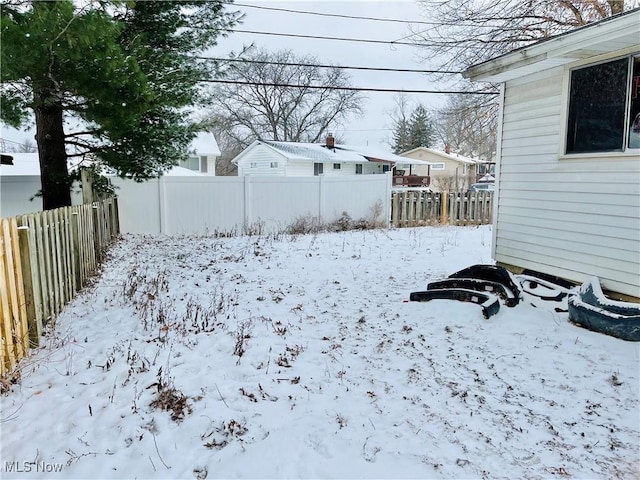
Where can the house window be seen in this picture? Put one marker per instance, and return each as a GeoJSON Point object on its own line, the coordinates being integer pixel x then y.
{"type": "Point", "coordinates": [599, 119]}
{"type": "Point", "coordinates": [437, 166]}
{"type": "Point", "coordinates": [254, 164]}
{"type": "Point", "coordinates": [385, 168]}
{"type": "Point", "coordinates": [358, 169]}
{"type": "Point", "coordinates": [336, 166]}
{"type": "Point", "coordinates": [192, 163]}
{"type": "Point", "coordinates": [203, 164]}
{"type": "Point", "coordinates": [274, 165]}
{"type": "Point", "coordinates": [318, 169]}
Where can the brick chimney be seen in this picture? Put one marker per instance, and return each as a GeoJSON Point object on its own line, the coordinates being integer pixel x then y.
{"type": "Point", "coordinates": [330, 143]}
{"type": "Point", "coordinates": [447, 148]}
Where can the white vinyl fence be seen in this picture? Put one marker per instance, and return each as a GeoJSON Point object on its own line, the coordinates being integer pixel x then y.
{"type": "Point", "coordinates": [18, 195]}
{"type": "Point", "coordinates": [206, 205]}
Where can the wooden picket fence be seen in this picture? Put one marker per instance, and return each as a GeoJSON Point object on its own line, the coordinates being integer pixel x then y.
{"type": "Point", "coordinates": [45, 259]}
{"type": "Point", "coordinates": [411, 208]}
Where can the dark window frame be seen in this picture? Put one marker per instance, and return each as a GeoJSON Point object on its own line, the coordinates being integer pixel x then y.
{"type": "Point", "coordinates": [601, 107]}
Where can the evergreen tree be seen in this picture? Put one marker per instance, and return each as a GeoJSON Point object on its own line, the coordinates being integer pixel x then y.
{"type": "Point", "coordinates": [411, 131]}
{"type": "Point", "coordinates": [125, 72]}
{"type": "Point", "coordinates": [421, 130]}
{"type": "Point", "coordinates": [401, 136]}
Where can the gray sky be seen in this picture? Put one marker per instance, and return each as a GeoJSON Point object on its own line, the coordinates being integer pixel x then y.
{"type": "Point", "coordinates": [373, 128]}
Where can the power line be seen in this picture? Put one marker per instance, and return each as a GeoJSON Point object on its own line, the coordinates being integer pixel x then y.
{"type": "Point", "coordinates": [351, 17]}
{"type": "Point", "coordinates": [335, 15]}
{"type": "Point", "coordinates": [322, 37]}
{"type": "Point", "coordinates": [352, 89]}
{"type": "Point", "coordinates": [340, 67]}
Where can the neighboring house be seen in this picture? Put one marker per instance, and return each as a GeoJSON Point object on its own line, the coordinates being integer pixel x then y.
{"type": "Point", "coordinates": [448, 171]}
{"type": "Point", "coordinates": [294, 159]}
{"type": "Point", "coordinates": [568, 162]}
{"type": "Point", "coordinates": [203, 154]}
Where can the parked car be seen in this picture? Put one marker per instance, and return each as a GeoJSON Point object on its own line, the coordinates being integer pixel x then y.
{"type": "Point", "coordinates": [482, 187]}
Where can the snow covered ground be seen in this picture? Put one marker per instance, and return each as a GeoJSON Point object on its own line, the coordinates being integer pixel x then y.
{"type": "Point", "coordinates": [298, 357]}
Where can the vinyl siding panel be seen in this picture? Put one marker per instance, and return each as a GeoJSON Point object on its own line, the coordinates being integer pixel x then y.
{"type": "Point", "coordinates": [299, 169]}
{"type": "Point", "coordinates": [304, 168]}
{"type": "Point", "coordinates": [261, 158]}
{"type": "Point", "coordinates": [574, 217]}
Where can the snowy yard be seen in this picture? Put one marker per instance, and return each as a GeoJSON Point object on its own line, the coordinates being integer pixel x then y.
{"type": "Point", "coordinates": [297, 357]}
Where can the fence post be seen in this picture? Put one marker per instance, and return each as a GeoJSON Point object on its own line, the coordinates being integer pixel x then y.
{"type": "Point", "coordinates": [394, 209]}
{"type": "Point", "coordinates": [32, 297]}
{"type": "Point", "coordinates": [403, 208]}
{"type": "Point", "coordinates": [87, 185]}
{"type": "Point", "coordinates": [116, 216]}
{"type": "Point", "coordinates": [445, 216]}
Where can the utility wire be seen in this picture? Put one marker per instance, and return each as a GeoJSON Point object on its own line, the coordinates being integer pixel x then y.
{"type": "Point", "coordinates": [340, 67]}
{"type": "Point", "coordinates": [321, 37]}
{"type": "Point", "coordinates": [352, 17]}
{"type": "Point", "coordinates": [334, 15]}
{"type": "Point", "coordinates": [352, 89]}
{"type": "Point", "coordinates": [361, 40]}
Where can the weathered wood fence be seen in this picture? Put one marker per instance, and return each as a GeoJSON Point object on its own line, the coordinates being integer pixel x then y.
{"type": "Point", "coordinates": [413, 208]}
{"type": "Point", "coordinates": [45, 259]}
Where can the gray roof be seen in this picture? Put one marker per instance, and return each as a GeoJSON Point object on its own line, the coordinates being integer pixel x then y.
{"type": "Point", "coordinates": [315, 152]}
{"type": "Point", "coordinates": [341, 153]}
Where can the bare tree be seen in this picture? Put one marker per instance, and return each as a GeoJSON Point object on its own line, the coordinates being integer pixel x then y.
{"type": "Point", "coordinates": [400, 117]}
{"type": "Point", "coordinates": [467, 124]}
{"type": "Point", "coordinates": [453, 183]}
{"type": "Point", "coordinates": [228, 144]}
{"type": "Point", "coordinates": [259, 103]}
{"type": "Point", "coordinates": [470, 32]}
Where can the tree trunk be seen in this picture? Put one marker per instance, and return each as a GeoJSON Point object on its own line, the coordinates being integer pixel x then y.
{"type": "Point", "coordinates": [54, 174]}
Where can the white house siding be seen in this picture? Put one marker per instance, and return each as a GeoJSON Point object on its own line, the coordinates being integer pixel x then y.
{"type": "Point", "coordinates": [346, 169]}
{"type": "Point", "coordinates": [262, 156]}
{"type": "Point", "coordinates": [574, 217]}
{"type": "Point", "coordinates": [299, 169]}
{"type": "Point", "coordinates": [304, 168]}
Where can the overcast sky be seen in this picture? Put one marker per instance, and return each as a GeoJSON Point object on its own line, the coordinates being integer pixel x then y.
{"type": "Point", "coordinates": [373, 128]}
